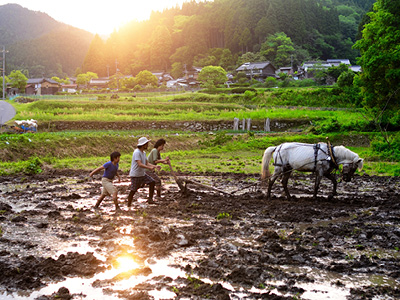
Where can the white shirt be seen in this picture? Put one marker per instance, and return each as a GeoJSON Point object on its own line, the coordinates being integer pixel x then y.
{"type": "Point", "coordinates": [137, 171]}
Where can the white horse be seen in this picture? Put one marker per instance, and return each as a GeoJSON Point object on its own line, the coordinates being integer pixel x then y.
{"type": "Point", "coordinates": [320, 158]}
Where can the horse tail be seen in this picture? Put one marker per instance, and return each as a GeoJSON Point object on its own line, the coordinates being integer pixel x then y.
{"type": "Point", "coordinates": [360, 164]}
{"type": "Point", "coordinates": [265, 162]}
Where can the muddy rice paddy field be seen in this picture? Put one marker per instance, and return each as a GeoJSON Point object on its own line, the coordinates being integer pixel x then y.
{"type": "Point", "coordinates": [201, 244]}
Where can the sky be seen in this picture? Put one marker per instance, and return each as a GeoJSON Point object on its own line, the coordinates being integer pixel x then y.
{"type": "Point", "coordinates": [97, 16]}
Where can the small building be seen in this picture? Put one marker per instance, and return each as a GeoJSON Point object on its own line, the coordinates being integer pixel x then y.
{"type": "Point", "coordinates": [286, 70]}
{"type": "Point", "coordinates": [41, 86]}
{"type": "Point", "coordinates": [309, 68]}
{"type": "Point", "coordinates": [258, 70]}
{"type": "Point", "coordinates": [163, 77]}
{"type": "Point", "coordinates": [99, 83]}
{"type": "Point", "coordinates": [337, 62]}
{"type": "Point", "coordinates": [69, 88]}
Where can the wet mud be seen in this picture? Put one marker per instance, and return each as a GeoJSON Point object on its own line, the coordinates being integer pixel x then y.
{"type": "Point", "coordinates": [199, 244]}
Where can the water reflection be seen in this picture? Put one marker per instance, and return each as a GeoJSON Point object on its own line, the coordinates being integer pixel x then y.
{"type": "Point", "coordinates": [126, 263]}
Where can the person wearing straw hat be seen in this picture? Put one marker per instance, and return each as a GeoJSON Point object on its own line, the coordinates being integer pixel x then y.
{"type": "Point", "coordinates": [139, 165]}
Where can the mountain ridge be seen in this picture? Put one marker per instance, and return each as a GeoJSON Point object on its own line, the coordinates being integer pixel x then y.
{"type": "Point", "coordinates": [39, 43]}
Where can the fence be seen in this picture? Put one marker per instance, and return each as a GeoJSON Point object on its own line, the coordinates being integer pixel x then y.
{"type": "Point", "coordinates": [246, 124]}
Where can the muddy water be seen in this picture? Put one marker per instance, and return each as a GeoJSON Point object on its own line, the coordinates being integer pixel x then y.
{"type": "Point", "coordinates": [200, 244]}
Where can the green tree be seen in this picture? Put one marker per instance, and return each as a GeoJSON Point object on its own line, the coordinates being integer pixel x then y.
{"type": "Point", "coordinates": [94, 60]}
{"type": "Point", "coordinates": [345, 79]}
{"type": "Point", "coordinates": [334, 72]}
{"type": "Point", "coordinates": [146, 78]}
{"type": "Point", "coordinates": [182, 55]}
{"type": "Point", "coordinates": [160, 49]}
{"type": "Point", "coordinates": [278, 49]}
{"type": "Point", "coordinates": [271, 82]}
{"type": "Point", "coordinates": [18, 80]}
{"type": "Point", "coordinates": [59, 80]}
{"type": "Point", "coordinates": [250, 57]}
{"type": "Point", "coordinates": [84, 79]}
{"type": "Point", "coordinates": [380, 61]}
{"type": "Point", "coordinates": [211, 76]}
{"type": "Point", "coordinates": [177, 70]}
{"type": "Point", "coordinates": [226, 61]}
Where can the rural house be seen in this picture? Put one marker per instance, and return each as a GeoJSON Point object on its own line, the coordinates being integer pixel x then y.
{"type": "Point", "coordinates": [309, 67]}
{"type": "Point", "coordinates": [41, 86]}
{"type": "Point", "coordinates": [258, 70]}
{"type": "Point", "coordinates": [99, 83]}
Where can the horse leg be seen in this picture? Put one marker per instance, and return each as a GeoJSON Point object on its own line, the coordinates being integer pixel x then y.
{"type": "Point", "coordinates": [318, 177]}
{"type": "Point", "coordinates": [285, 180]}
{"type": "Point", "coordinates": [270, 184]}
{"type": "Point", "coordinates": [332, 178]}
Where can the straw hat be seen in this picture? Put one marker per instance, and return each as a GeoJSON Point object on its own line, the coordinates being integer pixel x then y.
{"type": "Point", "coordinates": [142, 141]}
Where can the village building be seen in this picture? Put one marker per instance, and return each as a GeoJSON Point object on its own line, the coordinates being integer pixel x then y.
{"type": "Point", "coordinates": [258, 70]}
{"type": "Point", "coordinates": [41, 86]}
{"type": "Point", "coordinates": [99, 83]}
{"type": "Point", "coordinates": [309, 68]}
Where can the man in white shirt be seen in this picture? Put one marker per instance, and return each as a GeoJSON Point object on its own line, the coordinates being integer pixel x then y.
{"type": "Point", "coordinates": [137, 173]}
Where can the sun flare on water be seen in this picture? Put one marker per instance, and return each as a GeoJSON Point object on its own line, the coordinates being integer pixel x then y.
{"type": "Point", "coordinates": [126, 263]}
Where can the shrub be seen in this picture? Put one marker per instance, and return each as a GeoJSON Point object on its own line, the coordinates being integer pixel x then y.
{"type": "Point", "coordinates": [241, 90]}
{"type": "Point", "coordinates": [34, 166]}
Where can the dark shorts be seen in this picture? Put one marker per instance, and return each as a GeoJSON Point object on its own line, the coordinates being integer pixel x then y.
{"type": "Point", "coordinates": [139, 182]}
{"type": "Point", "coordinates": [155, 177]}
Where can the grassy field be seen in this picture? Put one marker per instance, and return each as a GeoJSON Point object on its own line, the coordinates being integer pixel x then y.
{"type": "Point", "coordinates": [191, 152]}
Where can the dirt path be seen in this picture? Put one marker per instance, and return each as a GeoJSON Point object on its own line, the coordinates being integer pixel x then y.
{"type": "Point", "coordinates": [201, 245]}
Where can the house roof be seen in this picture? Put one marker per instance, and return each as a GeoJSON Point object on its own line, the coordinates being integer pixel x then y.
{"type": "Point", "coordinates": [356, 68]}
{"type": "Point", "coordinates": [254, 66]}
{"type": "Point", "coordinates": [99, 80]}
{"type": "Point", "coordinates": [40, 80]}
{"type": "Point", "coordinates": [338, 61]}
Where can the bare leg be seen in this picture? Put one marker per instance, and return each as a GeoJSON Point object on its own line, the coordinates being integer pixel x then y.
{"type": "Point", "coordinates": [130, 198]}
{"type": "Point", "coordinates": [115, 199]}
{"type": "Point", "coordinates": [158, 188]}
{"type": "Point", "coordinates": [99, 201]}
{"type": "Point", "coordinates": [151, 192]}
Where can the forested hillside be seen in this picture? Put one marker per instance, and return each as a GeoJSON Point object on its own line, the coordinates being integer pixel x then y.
{"type": "Point", "coordinates": [39, 44]}
{"type": "Point", "coordinates": [220, 31]}
{"type": "Point", "coordinates": [198, 33]}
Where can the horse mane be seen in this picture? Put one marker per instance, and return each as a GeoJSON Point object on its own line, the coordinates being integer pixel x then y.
{"type": "Point", "coordinates": [344, 155]}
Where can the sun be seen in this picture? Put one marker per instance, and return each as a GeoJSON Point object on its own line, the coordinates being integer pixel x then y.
{"type": "Point", "coordinates": [101, 17]}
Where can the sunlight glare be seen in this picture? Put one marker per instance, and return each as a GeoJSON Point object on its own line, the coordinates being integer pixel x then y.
{"type": "Point", "coordinates": [102, 17]}
{"type": "Point", "coordinates": [126, 263]}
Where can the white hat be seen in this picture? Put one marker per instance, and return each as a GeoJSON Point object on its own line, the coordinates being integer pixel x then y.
{"type": "Point", "coordinates": [142, 141]}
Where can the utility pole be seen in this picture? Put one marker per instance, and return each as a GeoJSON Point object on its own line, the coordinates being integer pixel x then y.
{"type": "Point", "coordinates": [116, 73]}
{"type": "Point", "coordinates": [4, 71]}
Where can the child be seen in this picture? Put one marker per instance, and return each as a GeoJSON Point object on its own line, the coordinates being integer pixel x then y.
{"type": "Point", "coordinates": [155, 158]}
{"type": "Point", "coordinates": [110, 171]}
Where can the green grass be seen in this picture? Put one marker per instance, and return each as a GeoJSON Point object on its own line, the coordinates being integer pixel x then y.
{"type": "Point", "coordinates": [197, 153]}
{"type": "Point", "coordinates": [190, 152]}
{"type": "Point", "coordinates": [164, 109]}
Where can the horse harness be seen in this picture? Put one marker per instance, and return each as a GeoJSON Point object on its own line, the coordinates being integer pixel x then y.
{"type": "Point", "coordinates": [330, 155]}
{"type": "Point", "coordinates": [317, 147]}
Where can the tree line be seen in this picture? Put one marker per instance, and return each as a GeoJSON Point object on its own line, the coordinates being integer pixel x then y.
{"type": "Point", "coordinates": [222, 31]}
